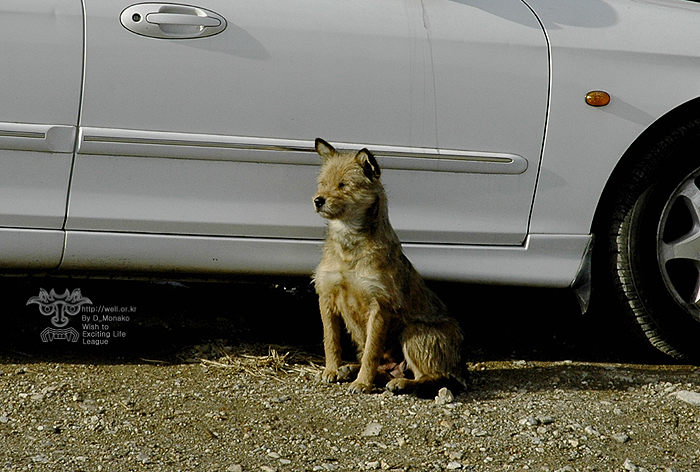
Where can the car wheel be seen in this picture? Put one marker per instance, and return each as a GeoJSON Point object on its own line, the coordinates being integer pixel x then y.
{"type": "Point", "coordinates": [655, 244]}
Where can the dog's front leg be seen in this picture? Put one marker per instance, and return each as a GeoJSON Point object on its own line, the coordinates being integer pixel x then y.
{"type": "Point", "coordinates": [373, 350]}
{"type": "Point", "coordinates": [331, 338]}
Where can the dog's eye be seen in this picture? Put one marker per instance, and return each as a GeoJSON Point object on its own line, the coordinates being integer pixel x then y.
{"type": "Point", "coordinates": [341, 185]}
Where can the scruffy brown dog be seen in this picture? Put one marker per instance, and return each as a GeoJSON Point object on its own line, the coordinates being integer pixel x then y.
{"type": "Point", "coordinates": [365, 280]}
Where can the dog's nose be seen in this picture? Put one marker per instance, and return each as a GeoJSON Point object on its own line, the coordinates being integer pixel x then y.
{"type": "Point", "coordinates": [319, 202]}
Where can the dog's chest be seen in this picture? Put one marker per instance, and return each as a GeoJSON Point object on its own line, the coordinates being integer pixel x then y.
{"type": "Point", "coordinates": [351, 291]}
{"type": "Point", "coordinates": [353, 299]}
{"type": "Point", "coordinates": [356, 278]}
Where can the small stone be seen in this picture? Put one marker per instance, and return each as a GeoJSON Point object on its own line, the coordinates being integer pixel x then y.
{"type": "Point", "coordinates": [621, 437]}
{"type": "Point", "coordinates": [40, 459]}
{"type": "Point", "coordinates": [285, 461]}
{"type": "Point", "coordinates": [329, 466]}
{"type": "Point", "coordinates": [529, 421]}
{"type": "Point", "coordinates": [235, 468]}
{"type": "Point", "coordinates": [143, 457]}
{"type": "Point", "coordinates": [373, 465]}
{"type": "Point", "coordinates": [687, 396]}
{"type": "Point", "coordinates": [267, 468]}
{"type": "Point", "coordinates": [546, 419]}
{"type": "Point", "coordinates": [372, 429]}
{"type": "Point", "coordinates": [273, 455]}
{"type": "Point", "coordinates": [591, 432]}
{"type": "Point", "coordinates": [454, 465]}
{"type": "Point", "coordinates": [444, 396]}
{"type": "Point", "coordinates": [628, 465]}
{"type": "Point", "coordinates": [4, 419]}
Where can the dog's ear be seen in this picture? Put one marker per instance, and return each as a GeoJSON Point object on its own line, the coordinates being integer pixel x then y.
{"type": "Point", "coordinates": [324, 149]}
{"type": "Point", "coordinates": [369, 164]}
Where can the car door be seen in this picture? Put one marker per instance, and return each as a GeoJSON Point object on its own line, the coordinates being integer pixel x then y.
{"type": "Point", "coordinates": [41, 52]}
{"type": "Point", "coordinates": [200, 120]}
{"type": "Point", "coordinates": [214, 135]}
{"type": "Point", "coordinates": [491, 74]}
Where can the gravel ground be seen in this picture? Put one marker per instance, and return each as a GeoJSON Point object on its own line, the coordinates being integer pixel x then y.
{"type": "Point", "coordinates": [189, 386]}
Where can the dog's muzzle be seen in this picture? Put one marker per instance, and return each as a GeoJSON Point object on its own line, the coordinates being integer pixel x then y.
{"type": "Point", "coordinates": [319, 202]}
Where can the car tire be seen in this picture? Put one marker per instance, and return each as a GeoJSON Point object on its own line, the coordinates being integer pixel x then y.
{"type": "Point", "coordinates": [654, 243]}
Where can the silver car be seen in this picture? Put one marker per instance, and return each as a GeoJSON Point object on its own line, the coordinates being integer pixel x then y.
{"type": "Point", "coordinates": [171, 140]}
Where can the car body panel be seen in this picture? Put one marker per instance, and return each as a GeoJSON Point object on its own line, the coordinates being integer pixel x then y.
{"type": "Point", "coordinates": [195, 157]}
{"type": "Point", "coordinates": [30, 250]}
{"type": "Point", "coordinates": [544, 260]}
{"type": "Point", "coordinates": [42, 57]}
{"type": "Point", "coordinates": [365, 77]}
{"type": "Point", "coordinates": [41, 52]}
{"type": "Point", "coordinates": [643, 54]}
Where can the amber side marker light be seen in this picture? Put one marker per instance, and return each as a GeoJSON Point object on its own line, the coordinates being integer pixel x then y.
{"type": "Point", "coordinates": [597, 98]}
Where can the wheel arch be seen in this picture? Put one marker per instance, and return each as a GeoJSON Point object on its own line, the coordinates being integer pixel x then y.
{"type": "Point", "coordinates": [642, 165]}
{"type": "Point", "coordinates": [638, 159]}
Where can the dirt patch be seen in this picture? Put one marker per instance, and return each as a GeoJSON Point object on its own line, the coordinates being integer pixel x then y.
{"type": "Point", "coordinates": [261, 408]}
{"type": "Point", "coordinates": [543, 396]}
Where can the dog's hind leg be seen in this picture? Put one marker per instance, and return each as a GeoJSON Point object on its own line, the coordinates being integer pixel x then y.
{"type": "Point", "coordinates": [432, 353]}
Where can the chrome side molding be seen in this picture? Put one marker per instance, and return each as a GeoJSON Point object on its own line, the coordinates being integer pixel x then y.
{"type": "Point", "coordinates": [34, 137]}
{"type": "Point", "coordinates": [118, 142]}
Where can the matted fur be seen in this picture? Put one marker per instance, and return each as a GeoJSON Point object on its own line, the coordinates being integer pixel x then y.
{"type": "Point", "coordinates": [365, 280]}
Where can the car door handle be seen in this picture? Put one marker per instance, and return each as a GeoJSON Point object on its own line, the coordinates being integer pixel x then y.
{"type": "Point", "coordinates": [171, 21]}
{"type": "Point", "coordinates": [182, 19]}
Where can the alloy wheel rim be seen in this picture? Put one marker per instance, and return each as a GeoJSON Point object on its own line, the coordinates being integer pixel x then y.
{"type": "Point", "coordinates": [678, 244]}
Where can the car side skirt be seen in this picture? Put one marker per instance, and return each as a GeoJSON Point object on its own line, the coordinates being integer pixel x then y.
{"type": "Point", "coordinates": [544, 260]}
{"type": "Point", "coordinates": [27, 250]}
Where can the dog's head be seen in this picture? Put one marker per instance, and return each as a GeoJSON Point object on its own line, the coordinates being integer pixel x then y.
{"type": "Point", "coordinates": [348, 184]}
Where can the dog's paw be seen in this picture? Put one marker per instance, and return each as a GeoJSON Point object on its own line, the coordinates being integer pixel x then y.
{"type": "Point", "coordinates": [344, 373]}
{"type": "Point", "coordinates": [347, 372]}
{"type": "Point", "coordinates": [359, 387]}
{"type": "Point", "coordinates": [402, 385]}
{"type": "Point", "coordinates": [397, 385]}
{"type": "Point", "coordinates": [330, 375]}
